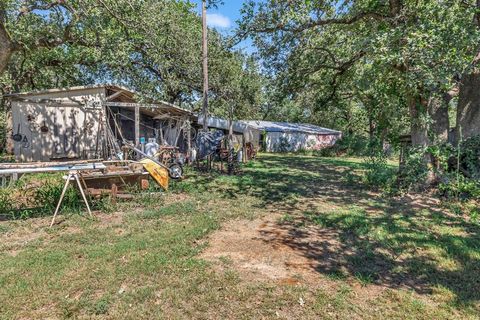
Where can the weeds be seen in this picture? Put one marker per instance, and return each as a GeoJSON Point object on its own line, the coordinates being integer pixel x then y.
{"type": "Point", "coordinates": [47, 196]}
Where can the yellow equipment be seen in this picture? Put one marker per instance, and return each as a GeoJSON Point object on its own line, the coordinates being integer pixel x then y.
{"type": "Point", "coordinates": [159, 173]}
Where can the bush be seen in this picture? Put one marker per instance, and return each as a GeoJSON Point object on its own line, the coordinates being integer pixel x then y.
{"type": "Point", "coordinates": [6, 202]}
{"type": "Point", "coordinates": [457, 170]}
{"type": "Point", "coordinates": [414, 171]}
{"type": "Point", "coordinates": [378, 174]}
{"type": "Point", "coordinates": [470, 157]}
{"type": "Point", "coordinates": [459, 188]}
{"type": "Point", "coordinates": [349, 145]}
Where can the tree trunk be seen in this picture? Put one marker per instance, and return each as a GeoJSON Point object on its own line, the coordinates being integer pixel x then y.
{"type": "Point", "coordinates": [468, 110]}
{"type": "Point", "coordinates": [6, 48]}
{"type": "Point", "coordinates": [418, 125]}
{"type": "Point", "coordinates": [419, 132]}
{"type": "Point", "coordinates": [371, 128]}
{"type": "Point", "coordinates": [438, 112]}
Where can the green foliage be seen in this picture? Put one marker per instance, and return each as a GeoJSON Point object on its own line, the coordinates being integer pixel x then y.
{"type": "Point", "coordinates": [378, 175]}
{"type": "Point", "coordinates": [6, 202]}
{"type": "Point", "coordinates": [460, 188]}
{"type": "Point", "coordinates": [414, 172]}
{"type": "Point", "coordinates": [455, 170]}
{"type": "Point", "coordinates": [104, 204]}
{"type": "Point", "coordinates": [101, 306]}
{"type": "Point", "coordinates": [349, 145]}
{"type": "Point", "coordinates": [20, 201]}
{"type": "Point", "coordinates": [153, 47]}
{"type": "Point", "coordinates": [47, 196]}
{"type": "Point", "coordinates": [470, 157]}
{"type": "Point", "coordinates": [283, 145]}
{"type": "Point", "coordinates": [360, 66]}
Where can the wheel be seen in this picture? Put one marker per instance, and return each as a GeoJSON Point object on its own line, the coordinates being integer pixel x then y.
{"type": "Point", "coordinates": [175, 171]}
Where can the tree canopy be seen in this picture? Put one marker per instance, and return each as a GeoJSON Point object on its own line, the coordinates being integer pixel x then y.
{"type": "Point", "coordinates": [391, 61]}
{"type": "Point", "coordinates": [153, 47]}
{"type": "Point", "coordinates": [375, 68]}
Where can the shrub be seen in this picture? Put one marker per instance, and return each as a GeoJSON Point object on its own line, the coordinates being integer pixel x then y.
{"type": "Point", "coordinates": [284, 145]}
{"type": "Point", "coordinates": [459, 187]}
{"type": "Point", "coordinates": [378, 174]}
{"type": "Point", "coordinates": [349, 145]}
{"type": "Point", "coordinates": [470, 157]}
{"type": "Point", "coordinates": [414, 171]}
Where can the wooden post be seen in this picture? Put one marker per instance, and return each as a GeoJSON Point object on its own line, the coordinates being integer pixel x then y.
{"type": "Point", "coordinates": [137, 126]}
{"type": "Point", "coordinates": [65, 187]}
{"type": "Point", "coordinates": [230, 128]}
{"type": "Point", "coordinates": [205, 64]}
{"type": "Point", "coordinates": [105, 138]}
{"type": "Point", "coordinates": [189, 141]}
{"type": "Point", "coordinates": [244, 146]}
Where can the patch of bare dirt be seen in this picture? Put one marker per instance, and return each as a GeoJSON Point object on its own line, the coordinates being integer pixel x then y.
{"type": "Point", "coordinates": [106, 220]}
{"type": "Point", "coordinates": [21, 234]}
{"type": "Point", "coordinates": [266, 249]}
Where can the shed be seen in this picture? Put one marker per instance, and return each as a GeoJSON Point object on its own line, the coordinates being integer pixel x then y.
{"type": "Point", "coordinates": [92, 122]}
{"type": "Point", "coordinates": [292, 137]}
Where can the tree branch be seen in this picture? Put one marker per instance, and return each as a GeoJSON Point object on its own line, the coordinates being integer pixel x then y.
{"type": "Point", "coordinates": [317, 23]}
{"type": "Point", "coordinates": [26, 9]}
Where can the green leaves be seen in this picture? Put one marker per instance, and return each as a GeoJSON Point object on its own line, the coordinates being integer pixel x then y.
{"type": "Point", "coordinates": [334, 57]}
{"type": "Point", "coordinates": [152, 46]}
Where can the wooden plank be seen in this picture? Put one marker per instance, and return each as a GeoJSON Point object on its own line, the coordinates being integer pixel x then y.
{"type": "Point", "coordinates": [93, 166]}
{"type": "Point", "coordinates": [113, 96]}
{"type": "Point", "coordinates": [137, 126]}
{"type": "Point", "coordinates": [158, 173]}
{"type": "Point", "coordinates": [162, 105]}
{"type": "Point", "coordinates": [189, 142]}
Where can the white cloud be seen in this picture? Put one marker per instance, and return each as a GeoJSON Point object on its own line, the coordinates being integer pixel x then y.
{"type": "Point", "coordinates": [218, 20]}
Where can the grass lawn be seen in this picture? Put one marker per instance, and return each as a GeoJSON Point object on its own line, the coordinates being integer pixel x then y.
{"type": "Point", "coordinates": [291, 237]}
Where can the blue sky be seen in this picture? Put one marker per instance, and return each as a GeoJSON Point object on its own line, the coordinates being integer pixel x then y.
{"type": "Point", "coordinates": [224, 19]}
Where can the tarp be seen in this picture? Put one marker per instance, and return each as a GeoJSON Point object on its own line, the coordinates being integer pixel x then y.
{"type": "Point", "coordinates": [208, 142]}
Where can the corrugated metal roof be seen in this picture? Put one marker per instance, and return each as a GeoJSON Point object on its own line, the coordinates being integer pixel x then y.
{"type": "Point", "coordinates": [270, 126]}
{"type": "Point", "coordinates": [66, 89]}
{"type": "Point", "coordinates": [25, 95]}
{"type": "Point", "coordinates": [219, 123]}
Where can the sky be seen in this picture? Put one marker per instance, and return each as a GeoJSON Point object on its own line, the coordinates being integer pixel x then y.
{"type": "Point", "coordinates": [224, 19]}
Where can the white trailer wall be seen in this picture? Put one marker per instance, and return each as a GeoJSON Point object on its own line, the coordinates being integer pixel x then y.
{"type": "Point", "coordinates": [297, 141]}
{"type": "Point", "coordinates": [73, 120]}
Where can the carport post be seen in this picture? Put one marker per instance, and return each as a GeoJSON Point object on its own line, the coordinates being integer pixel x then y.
{"type": "Point", "coordinates": [137, 126]}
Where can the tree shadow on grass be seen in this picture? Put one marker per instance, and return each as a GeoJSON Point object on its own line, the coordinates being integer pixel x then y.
{"type": "Point", "coordinates": [393, 250]}
{"type": "Point", "coordinates": [403, 243]}
{"type": "Point", "coordinates": [283, 181]}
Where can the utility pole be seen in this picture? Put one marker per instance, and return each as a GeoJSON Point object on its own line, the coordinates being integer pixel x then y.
{"type": "Point", "coordinates": [205, 65]}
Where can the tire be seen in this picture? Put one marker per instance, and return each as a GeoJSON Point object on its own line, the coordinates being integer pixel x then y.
{"type": "Point", "coordinates": [175, 171]}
